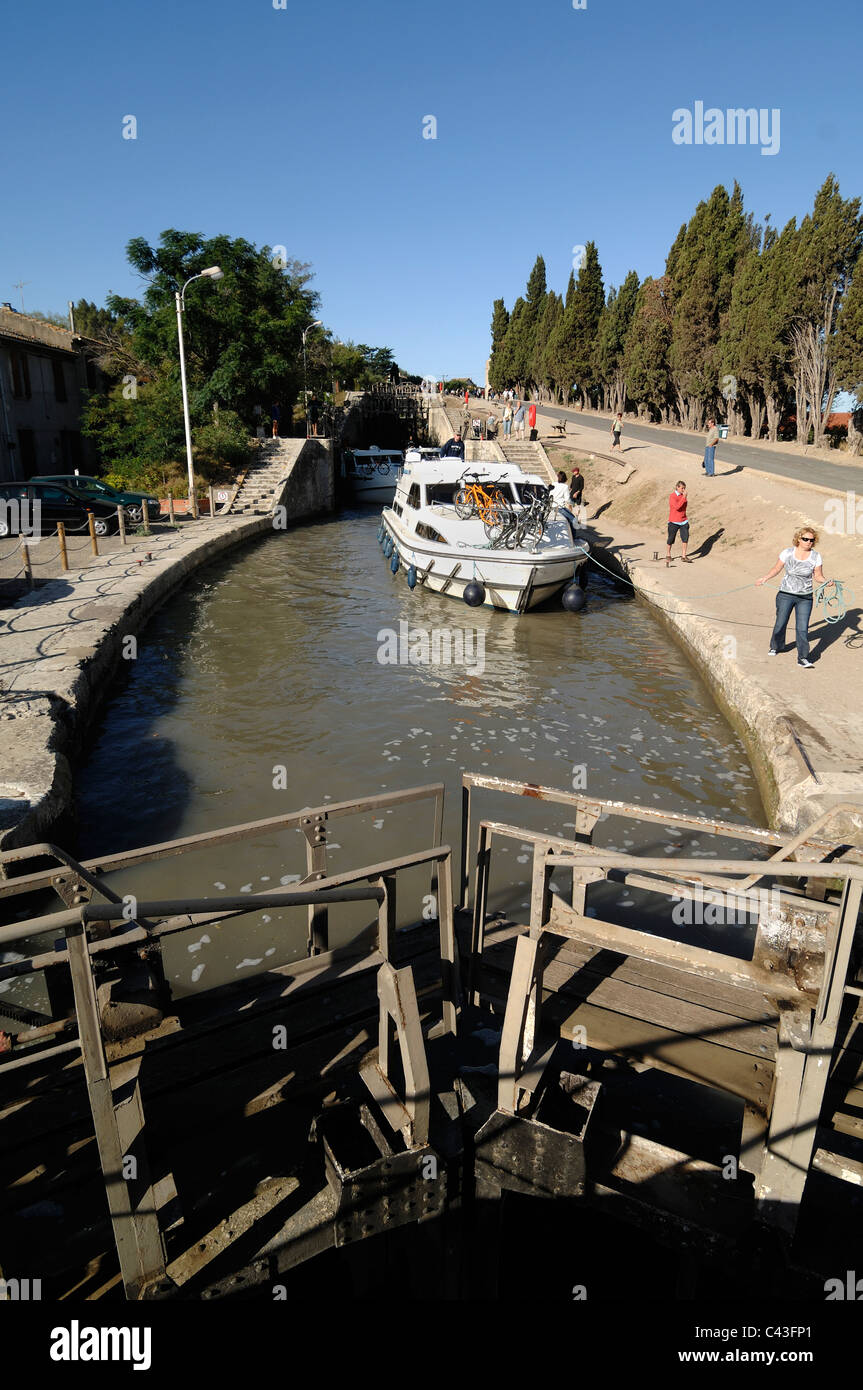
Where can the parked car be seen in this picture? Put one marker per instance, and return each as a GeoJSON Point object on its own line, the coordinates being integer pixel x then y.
{"type": "Point", "coordinates": [19, 514]}
{"type": "Point", "coordinates": [132, 502]}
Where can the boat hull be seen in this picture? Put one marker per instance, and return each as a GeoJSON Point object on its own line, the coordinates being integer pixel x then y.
{"type": "Point", "coordinates": [514, 583]}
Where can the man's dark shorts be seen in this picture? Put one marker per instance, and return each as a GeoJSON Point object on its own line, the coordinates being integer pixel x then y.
{"type": "Point", "coordinates": [678, 526]}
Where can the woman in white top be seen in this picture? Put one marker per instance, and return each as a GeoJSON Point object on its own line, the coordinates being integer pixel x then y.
{"type": "Point", "coordinates": [560, 497]}
{"type": "Point", "coordinates": [802, 564]}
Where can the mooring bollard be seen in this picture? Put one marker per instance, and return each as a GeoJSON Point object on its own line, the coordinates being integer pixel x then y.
{"type": "Point", "coordinates": [145, 517]}
{"type": "Point", "coordinates": [171, 508]}
{"type": "Point", "coordinates": [61, 536]}
{"type": "Point", "coordinates": [28, 567]}
{"type": "Point", "coordinates": [94, 544]}
{"type": "Point", "coordinates": [121, 519]}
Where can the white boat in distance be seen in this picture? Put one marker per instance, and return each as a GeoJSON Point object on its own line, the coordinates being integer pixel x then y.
{"type": "Point", "coordinates": [372, 473]}
{"type": "Point", "coordinates": [448, 553]}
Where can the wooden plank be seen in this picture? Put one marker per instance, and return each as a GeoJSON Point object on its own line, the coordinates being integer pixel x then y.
{"type": "Point", "coordinates": [692, 1058]}
{"type": "Point", "coordinates": [679, 984]}
{"type": "Point", "coordinates": [708, 964]}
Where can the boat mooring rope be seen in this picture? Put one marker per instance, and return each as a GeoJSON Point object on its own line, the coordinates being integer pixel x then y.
{"type": "Point", "coordinates": [839, 599]}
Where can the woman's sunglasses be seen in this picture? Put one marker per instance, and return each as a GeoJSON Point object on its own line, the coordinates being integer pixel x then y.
{"type": "Point", "coordinates": [810, 539]}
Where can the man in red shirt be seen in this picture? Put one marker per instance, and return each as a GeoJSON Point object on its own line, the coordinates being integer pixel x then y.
{"type": "Point", "coordinates": [677, 523]}
{"type": "Point", "coordinates": [531, 419]}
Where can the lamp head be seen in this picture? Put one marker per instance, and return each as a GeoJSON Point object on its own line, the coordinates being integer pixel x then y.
{"type": "Point", "coordinates": [213, 272]}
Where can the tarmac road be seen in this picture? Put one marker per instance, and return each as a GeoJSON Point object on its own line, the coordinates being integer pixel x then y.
{"type": "Point", "coordinates": [843, 477]}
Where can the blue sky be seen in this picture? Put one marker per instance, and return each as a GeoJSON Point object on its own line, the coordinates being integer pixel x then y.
{"type": "Point", "coordinates": [303, 127]}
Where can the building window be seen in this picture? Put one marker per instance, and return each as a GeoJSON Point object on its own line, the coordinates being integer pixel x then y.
{"type": "Point", "coordinates": [70, 445]}
{"type": "Point", "coordinates": [59, 380]}
{"type": "Point", "coordinates": [20, 374]}
{"type": "Point", "coordinates": [27, 452]}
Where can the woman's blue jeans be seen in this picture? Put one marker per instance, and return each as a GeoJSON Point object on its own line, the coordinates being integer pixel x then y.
{"type": "Point", "coordinates": [801, 604]}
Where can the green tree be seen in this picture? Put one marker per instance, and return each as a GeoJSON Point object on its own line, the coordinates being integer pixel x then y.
{"type": "Point", "coordinates": [825, 251]}
{"type": "Point", "coordinates": [243, 338]}
{"type": "Point", "coordinates": [611, 337]}
{"type": "Point", "coordinates": [699, 276]}
{"type": "Point", "coordinates": [645, 355]}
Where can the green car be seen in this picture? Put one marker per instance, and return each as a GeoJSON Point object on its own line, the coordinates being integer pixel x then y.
{"type": "Point", "coordinates": [132, 502]}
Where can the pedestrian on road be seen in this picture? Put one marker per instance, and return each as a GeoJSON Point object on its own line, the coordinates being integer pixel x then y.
{"type": "Point", "coordinates": [507, 420]}
{"type": "Point", "coordinates": [314, 416]}
{"type": "Point", "coordinates": [466, 397]}
{"type": "Point", "coordinates": [677, 522]}
{"type": "Point", "coordinates": [518, 419]}
{"type": "Point", "coordinates": [576, 497]}
{"type": "Point", "coordinates": [276, 414]}
{"type": "Point", "coordinates": [802, 563]}
{"type": "Point", "coordinates": [710, 447]}
{"type": "Point", "coordinates": [617, 430]}
{"type": "Point", "coordinates": [531, 419]}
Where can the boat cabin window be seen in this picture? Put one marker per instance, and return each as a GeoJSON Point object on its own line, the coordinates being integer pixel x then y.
{"type": "Point", "coordinates": [414, 496]}
{"type": "Point", "coordinates": [526, 492]}
{"type": "Point", "coordinates": [441, 493]}
{"type": "Point", "coordinates": [428, 533]}
{"type": "Point", "coordinates": [397, 508]}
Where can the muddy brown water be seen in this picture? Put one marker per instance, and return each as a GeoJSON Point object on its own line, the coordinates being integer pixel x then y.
{"type": "Point", "coordinates": [278, 657]}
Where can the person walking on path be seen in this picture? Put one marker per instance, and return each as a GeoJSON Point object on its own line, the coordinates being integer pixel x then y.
{"type": "Point", "coordinates": [518, 419]}
{"type": "Point", "coordinates": [276, 414]}
{"type": "Point", "coordinates": [507, 420]}
{"type": "Point", "coordinates": [710, 447]}
{"type": "Point", "coordinates": [677, 522]}
{"type": "Point", "coordinates": [531, 419]}
{"type": "Point", "coordinates": [802, 564]}
{"type": "Point", "coordinates": [616, 430]}
{"type": "Point", "coordinates": [576, 497]}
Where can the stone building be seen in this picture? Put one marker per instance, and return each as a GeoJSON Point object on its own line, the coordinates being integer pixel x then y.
{"type": "Point", "coordinates": [43, 372]}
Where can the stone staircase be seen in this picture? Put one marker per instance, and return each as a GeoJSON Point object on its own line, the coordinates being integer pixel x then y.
{"type": "Point", "coordinates": [531, 457]}
{"type": "Point", "coordinates": [262, 486]}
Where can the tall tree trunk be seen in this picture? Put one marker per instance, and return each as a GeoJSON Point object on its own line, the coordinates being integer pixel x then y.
{"type": "Point", "coordinates": [773, 406]}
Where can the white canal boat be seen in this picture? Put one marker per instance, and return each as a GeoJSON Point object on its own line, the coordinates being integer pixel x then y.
{"type": "Point", "coordinates": [372, 473]}
{"type": "Point", "coordinates": [447, 552]}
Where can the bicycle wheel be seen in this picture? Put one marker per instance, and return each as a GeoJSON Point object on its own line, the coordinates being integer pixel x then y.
{"type": "Point", "coordinates": [464, 504]}
{"type": "Point", "coordinates": [494, 524]}
{"type": "Point", "coordinates": [533, 531]}
{"type": "Point", "coordinates": [383, 469]}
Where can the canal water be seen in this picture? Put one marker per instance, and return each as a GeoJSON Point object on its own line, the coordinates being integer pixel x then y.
{"type": "Point", "coordinates": [281, 678]}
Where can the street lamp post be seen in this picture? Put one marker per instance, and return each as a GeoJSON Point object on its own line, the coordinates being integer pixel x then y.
{"type": "Point", "coordinates": [211, 273]}
{"type": "Point", "coordinates": [316, 324]}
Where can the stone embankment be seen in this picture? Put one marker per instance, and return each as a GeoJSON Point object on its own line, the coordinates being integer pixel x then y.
{"type": "Point", "coordinates": [61, 645]}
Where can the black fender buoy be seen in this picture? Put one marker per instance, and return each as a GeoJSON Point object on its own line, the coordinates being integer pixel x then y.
{"type": "Point", "coordinates": [474, 594]}
{"type": "Point", "coordinates": [394, 562]}
{"type": "Point", "coordinates": [574, 598]}
{"type": "Point", "coordinates": [412, 576]}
